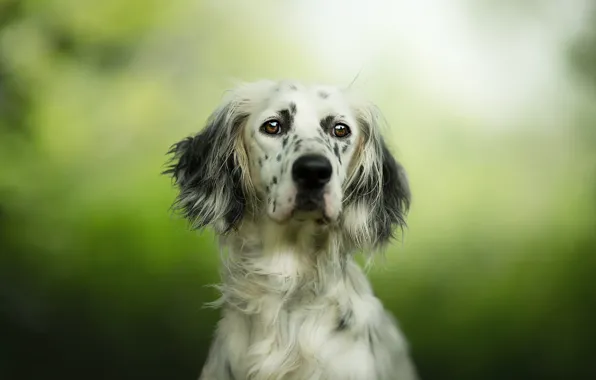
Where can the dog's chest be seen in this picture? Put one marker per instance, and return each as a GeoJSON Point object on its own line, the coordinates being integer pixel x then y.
{"type": "Point", "coordinates": [297, 328]}
{"type": "Point", "coordinates": [305, 340]}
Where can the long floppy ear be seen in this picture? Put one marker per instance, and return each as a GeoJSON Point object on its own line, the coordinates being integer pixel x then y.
{"type": "Point", "coordinates": [395, 196]}
{"type": "Point", "coordinates": [208, 171]}
{"type": "Point", "coordinates": [378, 192]}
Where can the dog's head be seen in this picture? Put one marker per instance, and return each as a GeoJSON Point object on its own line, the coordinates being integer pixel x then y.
{"type": "Point", "coordinates": [292, 153]}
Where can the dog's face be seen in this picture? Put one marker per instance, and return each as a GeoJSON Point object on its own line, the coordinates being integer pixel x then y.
{"type": "Point", "coordinates": [300, 145]}
{"type": "Point", "coordinates": [292, 153]}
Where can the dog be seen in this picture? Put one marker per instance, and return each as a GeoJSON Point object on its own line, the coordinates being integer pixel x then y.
{"type": "Point", "coordinates": [295, 179]}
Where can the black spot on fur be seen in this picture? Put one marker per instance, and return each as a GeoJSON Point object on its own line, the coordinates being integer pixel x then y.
{"type": "Point", "coordinates": [371, 343]}
{"type": "Point", "coordinates": [284, 142]}
{"type": "Point", "coordinates": [323, 94]}
{"type": "Point", "coordinates": [292, 108]}
{"type": "Point", "coordinates": [336, 152]}
{"type": "Point", "coordinates": [344, 148]}
{"type": "Point", "coordinates": [274, 180]}
{"type": "Point", "coordinates": [229, 371]}
{"type": "Point", "coordinates": [266, 157]}
{"type": "Point", "coordinates": [274, 205]}
{"type": "Point", "coordinates": [326, 123]}
{"type": "Point", "coordinates": [287, 120]}
{"type": "Point", "coordinates": [293, 87]}
{"type": "Point", "coordinates": [279, 157]}
{"type": "Point", "coordinates": [260, 162]}
{"type": "Point", "coordinates": [267, 189]}
{"type": "Point", "coordinates": [345, 320]}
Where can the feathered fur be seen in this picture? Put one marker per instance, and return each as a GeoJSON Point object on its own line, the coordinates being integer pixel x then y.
{"type": "Point", "coordinates": [295, 305]}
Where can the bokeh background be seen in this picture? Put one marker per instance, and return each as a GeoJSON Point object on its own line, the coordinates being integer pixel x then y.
{"type": "Point", "coordinates": [492, 107]}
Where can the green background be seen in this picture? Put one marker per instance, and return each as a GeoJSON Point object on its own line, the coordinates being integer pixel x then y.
{"type": "Point", "coordinates": [494, 278]}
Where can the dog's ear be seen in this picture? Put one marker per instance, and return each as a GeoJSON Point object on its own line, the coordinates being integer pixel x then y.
{"type": "Point", "coordinates": [378, 193]}
{"type": "Point", "coordinates": [394, 200]}
{"type": "Point", "coordinates": [207, 174]}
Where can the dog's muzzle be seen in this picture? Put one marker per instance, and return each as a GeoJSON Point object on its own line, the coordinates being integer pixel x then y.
{"type": "Point", "coordinates": [311, 173]}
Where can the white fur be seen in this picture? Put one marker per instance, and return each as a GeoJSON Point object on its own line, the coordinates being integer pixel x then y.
{"type": "Point", "coordinates": [295, 305]}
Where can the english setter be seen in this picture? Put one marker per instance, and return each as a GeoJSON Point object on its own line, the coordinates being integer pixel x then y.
{"type": "Point", "coordinates": [295, 179]}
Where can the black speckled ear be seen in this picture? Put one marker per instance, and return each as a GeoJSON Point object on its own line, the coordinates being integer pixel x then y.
{"type": "Point", "coordinates": [395, 197]}
{"type": "Point", "coordinates": [207, 176]}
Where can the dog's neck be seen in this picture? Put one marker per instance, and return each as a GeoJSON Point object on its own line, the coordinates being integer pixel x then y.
{"type": "Point", "coordinates": [287, 263]}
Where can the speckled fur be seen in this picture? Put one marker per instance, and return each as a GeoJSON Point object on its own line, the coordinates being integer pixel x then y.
{"type": "Point", "coordinates": [294, 303]}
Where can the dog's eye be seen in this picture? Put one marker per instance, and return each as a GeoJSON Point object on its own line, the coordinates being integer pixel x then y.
{"type": "Point", "coordinates": [271, 127]}
{"type": "Point", "coordinates": [341, 130]}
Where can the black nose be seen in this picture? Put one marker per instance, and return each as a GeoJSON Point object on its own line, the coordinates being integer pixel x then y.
{"type": "Point", "coordinates": [311, 171]}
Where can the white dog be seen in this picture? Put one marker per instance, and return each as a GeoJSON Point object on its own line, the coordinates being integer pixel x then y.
{"type": "Point", "coordinates": [295, 179]}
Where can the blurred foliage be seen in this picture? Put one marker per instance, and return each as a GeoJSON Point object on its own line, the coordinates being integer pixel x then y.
{"type": "Point", "coordinates": [97, 280]}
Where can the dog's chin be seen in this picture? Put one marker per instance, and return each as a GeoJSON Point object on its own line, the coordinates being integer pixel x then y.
{"type": "Point", "coordinates": [305, 212]}
{"type": "Point", "coordinates": [316, 215]}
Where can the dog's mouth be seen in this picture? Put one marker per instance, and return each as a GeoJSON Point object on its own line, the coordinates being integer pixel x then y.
{"type": "Point", "coordinates": [316, 216]}
{"type": "Point", "coordinates": [310, 206]}
{"type": "Point", "coordinates": [308, 201]}
{"type": "Point", "coordinates": [306, 206]}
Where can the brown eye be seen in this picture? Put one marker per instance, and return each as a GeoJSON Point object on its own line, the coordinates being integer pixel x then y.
{"type": "Point", "coordinates": [271, 127]}
{"type": "Point", "coordinates": [341, 130]}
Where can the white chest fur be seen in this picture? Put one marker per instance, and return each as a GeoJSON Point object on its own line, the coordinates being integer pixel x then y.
{"type": "Point", "coordinates": [282, 322]}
